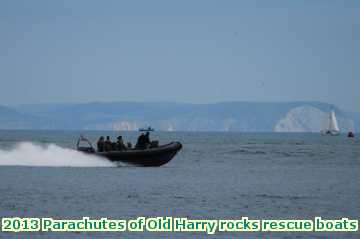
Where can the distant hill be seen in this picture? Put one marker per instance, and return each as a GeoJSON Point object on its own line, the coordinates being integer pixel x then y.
{"type": "Point", "coordinates": [13, 119]}
{"type": "Point", "coordinates": [225, 116]}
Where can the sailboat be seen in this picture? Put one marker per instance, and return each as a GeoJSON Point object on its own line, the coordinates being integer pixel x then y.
{"type": "Point", "coordinates": [332, 127]}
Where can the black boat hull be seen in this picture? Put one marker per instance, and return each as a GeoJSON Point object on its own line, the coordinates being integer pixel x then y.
{"type": "Point", "coordinates": [152, 157]}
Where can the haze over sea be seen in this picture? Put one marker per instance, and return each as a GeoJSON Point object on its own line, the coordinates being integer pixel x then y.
{"type": "Point", "coordinates": [216, 175]}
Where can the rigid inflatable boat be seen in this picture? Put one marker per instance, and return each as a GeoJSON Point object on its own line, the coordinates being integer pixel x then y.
{"type": "Point", "coordinates": [149, 157]}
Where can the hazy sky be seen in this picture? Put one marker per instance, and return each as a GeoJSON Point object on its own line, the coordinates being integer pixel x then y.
{"type": "Point", "coordinates": [187, 51]}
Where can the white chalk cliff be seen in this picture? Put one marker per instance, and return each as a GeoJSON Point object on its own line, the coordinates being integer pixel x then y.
{"type": "Point", "coordinates": [308, 119]}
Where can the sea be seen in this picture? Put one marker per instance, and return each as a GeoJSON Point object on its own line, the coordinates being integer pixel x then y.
{"type": "Point", "coordinates": [216, 175]}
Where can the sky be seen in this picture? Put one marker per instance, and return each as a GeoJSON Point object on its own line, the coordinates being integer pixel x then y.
{"type": "Point", "coordinates": [180, 51]}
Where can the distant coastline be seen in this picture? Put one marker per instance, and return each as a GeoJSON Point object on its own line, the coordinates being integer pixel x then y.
{"type": "Point", "coordinates": [224, 116]}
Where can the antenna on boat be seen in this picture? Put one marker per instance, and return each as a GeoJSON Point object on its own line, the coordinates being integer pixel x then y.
{"type": "Point", "coordinates": [148, 129]}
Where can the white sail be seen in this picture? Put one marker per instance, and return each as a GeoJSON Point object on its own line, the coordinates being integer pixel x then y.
{"type": "Point", "coordinates": [333, 124]}
{"type": "Point", "coordinates": [332, 127]}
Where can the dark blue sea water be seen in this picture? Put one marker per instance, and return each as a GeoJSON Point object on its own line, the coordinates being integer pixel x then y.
{"type": "Point", "coordinates": [216, 175]}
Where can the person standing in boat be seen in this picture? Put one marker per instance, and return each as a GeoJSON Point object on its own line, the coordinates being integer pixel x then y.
{"type": "Point", "coordinates": [100, 144]}
{"type": "Point", "coordinates": [140, 144]}
{"type": "Point", "coordinates": [147, 139]}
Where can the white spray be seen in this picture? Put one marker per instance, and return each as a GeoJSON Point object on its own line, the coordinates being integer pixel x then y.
{"type": "Point", "coordinates": [51, 155]}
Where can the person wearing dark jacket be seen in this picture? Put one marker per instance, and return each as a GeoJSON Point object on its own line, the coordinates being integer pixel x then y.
{"type": "Point", "coordinates": [101, 144]}
{"type": "Point", "coordinates": [140, 144]}
{"type": "Point", "coordinates": [147, 138]}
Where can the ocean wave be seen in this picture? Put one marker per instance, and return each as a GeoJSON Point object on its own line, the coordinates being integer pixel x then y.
{"type": "Point", "coordinates": [49, 155]}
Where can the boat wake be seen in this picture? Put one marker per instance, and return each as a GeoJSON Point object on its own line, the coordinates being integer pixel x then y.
{"type": "Point", "coordinates": [50, 155]}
